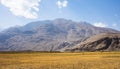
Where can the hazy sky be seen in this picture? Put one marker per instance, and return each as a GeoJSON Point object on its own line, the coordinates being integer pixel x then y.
{"type": "Point", "coordinates": [102, 13]}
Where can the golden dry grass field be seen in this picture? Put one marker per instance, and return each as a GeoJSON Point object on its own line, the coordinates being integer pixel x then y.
{"type": "Point", "coordinates": [37, 60]}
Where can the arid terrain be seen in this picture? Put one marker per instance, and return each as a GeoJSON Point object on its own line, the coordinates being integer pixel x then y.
{"type": "Point", "coordinates": [50, 35]}
{"type": "Point", "coordinates": [59, 34]}
{"type": "Point", "coordinates": [38, 60]}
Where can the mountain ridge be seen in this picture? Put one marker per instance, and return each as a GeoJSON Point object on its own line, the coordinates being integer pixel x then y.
{"type": "Point", "coordinates": [48, 35]}
{"type": "Point", "coordinates": [101, 42]}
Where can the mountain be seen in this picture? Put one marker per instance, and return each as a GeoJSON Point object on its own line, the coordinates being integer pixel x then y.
{"type": "Point", "coordinates": [48, 35]}
{"type": "Point", "coordinates": [102, 42]}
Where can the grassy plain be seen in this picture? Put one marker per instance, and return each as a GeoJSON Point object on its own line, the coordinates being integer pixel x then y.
{"type": "Point", "coordinates": [37, 60]}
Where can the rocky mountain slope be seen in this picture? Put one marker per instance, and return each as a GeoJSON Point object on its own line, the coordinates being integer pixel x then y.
{"type": "Point", "coordinates": [102, 42]}
{"type": "Point", "coordinates": [48, 35]}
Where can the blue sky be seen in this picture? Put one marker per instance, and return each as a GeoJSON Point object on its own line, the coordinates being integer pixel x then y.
{"type": "Point", "coordinates": [101, 13]}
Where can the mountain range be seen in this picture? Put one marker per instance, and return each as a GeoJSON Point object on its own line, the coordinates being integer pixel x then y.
{"type": "Point", "coordinates": [49, 35]}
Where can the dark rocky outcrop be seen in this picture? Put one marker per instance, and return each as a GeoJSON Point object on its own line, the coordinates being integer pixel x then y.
{"type": "Point", "coordinates": [102, 42]}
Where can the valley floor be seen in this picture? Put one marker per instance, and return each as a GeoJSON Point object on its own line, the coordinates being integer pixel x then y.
{"type": "Point", "coordinates": [83, 60]}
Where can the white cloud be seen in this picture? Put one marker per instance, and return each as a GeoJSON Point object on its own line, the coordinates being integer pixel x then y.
{"type": "Point", "coordinates": [25, 8]}
{"type": "Point", "coordinates": [114, 25]}
{"type": "Point", "coordinates": [100, 24]}
{"type": "Point", "coordinates": [62, 4]}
